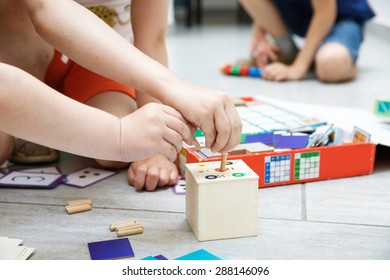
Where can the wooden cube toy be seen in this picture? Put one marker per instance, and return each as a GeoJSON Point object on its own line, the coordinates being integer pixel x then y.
{"type": "Point", "coordinates": [221, 205]}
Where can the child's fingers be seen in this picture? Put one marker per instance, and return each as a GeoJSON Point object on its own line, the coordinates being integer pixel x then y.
{"type": "Point", "coordinates": [184, 130]}
{"type": "Point", "coordinates": [137, 178]}
{"type": "Point", "coordinates": [236, 128]}
{"type": "Point", "coordinates": [152, 178]}
{"type": "Point", "coordinates": [209, 132]}
{"type": "Point", "coordinates": [229, 129]}
{"type": "Point", "coordinates": [223, 129]}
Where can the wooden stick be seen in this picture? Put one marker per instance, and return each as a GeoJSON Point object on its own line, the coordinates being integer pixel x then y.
{"type": "Point", "coordinates": [126, 225]}
{"type": "Point", "coordinates": [129, 227]}
{"type": "Point", "coordinates": [198, 147]}
{"type": "Point", "coordinates": [114, 226]}
{"type": "Point", "coordinates": [130, 231]}
{"type": "Point", "coordinates": [79, 202]}
{"type": "Point", "coordinates": [223, 162]}
{"type": "Point", "coordinates": [70, 209]}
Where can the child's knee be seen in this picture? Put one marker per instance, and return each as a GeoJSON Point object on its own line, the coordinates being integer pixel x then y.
{"type": "Point", "coordinates": [334, 63]}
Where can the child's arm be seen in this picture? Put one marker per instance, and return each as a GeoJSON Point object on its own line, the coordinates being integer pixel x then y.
{"type": "Point", "coordinates": [324, 16]}
{"type": "Point", "coordinates": [150, 38]}
{"type": "Point", "coordinates": [261, 48]}
{"type": "Point", "coordinates": [33, 111]}
{"type": "Point", "coordinates": [79, 34]}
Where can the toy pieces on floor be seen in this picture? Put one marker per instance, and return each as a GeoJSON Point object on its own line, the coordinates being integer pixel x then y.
{"type": "Point", "coordinates": [11, 249]}
{"type": "Point", "coordinates": [78, 206]}
{"type": "Point", "coordinates": [23, 179]}
{"type": "Point", "coordinates": [87, 176]}
{"type": "Point", "coordinates": [110, 249]}
{"type": "Point", "coordinates": [200, 254]}
{"type": "Point", "coordinates": [238, 70]}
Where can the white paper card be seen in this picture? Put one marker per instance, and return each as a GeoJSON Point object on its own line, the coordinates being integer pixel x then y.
{"type": "Point", "coordinates": [31, 180]}
{"type": "Point", "coordinates": [87, 176]}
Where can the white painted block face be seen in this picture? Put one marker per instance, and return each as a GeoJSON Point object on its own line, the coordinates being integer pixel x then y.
{"type": "Point", "coordinates": [221, 205]}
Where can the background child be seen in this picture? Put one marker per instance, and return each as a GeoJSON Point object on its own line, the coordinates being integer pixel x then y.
{"type": "Point", "coordinates": [333, 32]}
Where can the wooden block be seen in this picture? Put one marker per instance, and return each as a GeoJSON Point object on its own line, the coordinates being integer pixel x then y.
{"type": "Point", "coordinates": [219, 204]}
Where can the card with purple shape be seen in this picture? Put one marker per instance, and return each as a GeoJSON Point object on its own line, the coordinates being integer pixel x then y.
{"type": "Point", "coordinates": [49, 169]}
{"type": "Point", "coordinates": [160, 257]}
{"type": "Point", "coordinates": [87, 176]}
{"type": "Point", "coordinates": [22, 179]}
{"type": "Point", "coordinates": [180, 187]}
{"type": "Point", "coordinates": [110, 249]}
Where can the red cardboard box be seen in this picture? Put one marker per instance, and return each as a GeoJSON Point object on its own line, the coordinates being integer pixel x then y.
{"type": "Point", "coordinates": [290, 166]}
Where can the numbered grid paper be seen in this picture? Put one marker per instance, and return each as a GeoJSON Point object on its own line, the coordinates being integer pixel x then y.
{"type": "Point", "coordinates": [23, 179]}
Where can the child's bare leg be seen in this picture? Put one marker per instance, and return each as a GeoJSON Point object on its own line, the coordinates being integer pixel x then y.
{"type": "Point", "coordinates": [7, 143]}
{"type": "Point", "coordinates": [266, 16]}
{"type": "Point", "coordinates": [334, 63]}
{"type": "Point", "coordinates": [268, 20]}
{"type": "Point", "coordinates": [118, 104]}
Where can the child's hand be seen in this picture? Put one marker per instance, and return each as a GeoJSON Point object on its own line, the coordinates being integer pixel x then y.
{"type": "Point", "coordinates": [213, 112]}
{"type": "Point", "coordinates": [264, 52]}
{"type": "Point", "coordinates": [148, 174]}
{"type": "Point", "coordinates": [153, 129]}
{"type": "Point", "coordinates": [281, 72]}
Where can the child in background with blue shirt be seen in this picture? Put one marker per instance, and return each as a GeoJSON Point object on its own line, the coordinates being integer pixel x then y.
{"type": "Point", "coordinates": [333, 32]}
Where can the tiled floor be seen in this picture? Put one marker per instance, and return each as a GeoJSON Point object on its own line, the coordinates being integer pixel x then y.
{"type": "Point", "coordinates": [335, 219]}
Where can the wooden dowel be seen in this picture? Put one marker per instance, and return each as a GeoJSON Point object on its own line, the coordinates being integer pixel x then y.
{"type": "Point", "coordinates": [126, 225]}
{"type": "Point", "coordinates": [79, 202]}
{"type": "Point", "coordinates": [114, 226]}
{"type": "Point", "coordinates": [131, 231]}
{"type": "Point", "coordinates": [223, 162]}
{"type": "Point", "coordinates": [70, 209]}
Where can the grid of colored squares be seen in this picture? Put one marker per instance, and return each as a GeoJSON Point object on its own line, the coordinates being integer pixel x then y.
{"type": "Point", "coordinates": [359, 135]}
{"type": "Point", "coordinates": [307, 165]}
{"type": "Point", "coordinates": [277, 169]}
{"type": "Point", "coordinates": [382, 107]}
{"type": "Point", "coordinates": [261, 120]}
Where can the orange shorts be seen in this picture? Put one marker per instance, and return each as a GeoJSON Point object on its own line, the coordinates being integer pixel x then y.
{"type": "Point", "coordinates": [77, 82]}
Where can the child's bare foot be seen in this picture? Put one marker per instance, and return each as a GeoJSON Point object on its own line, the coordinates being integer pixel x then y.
{"type": "Point", "coordinates": [153, 172]}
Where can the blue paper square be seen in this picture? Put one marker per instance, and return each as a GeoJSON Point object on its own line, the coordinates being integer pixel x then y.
{"type": "Point", "coordinates": [110, 249]}
{"type": "Point", "coordinates": [199, 255]}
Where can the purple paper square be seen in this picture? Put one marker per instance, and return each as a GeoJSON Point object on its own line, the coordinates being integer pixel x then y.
{"type": "Point", "coordinates": [110, 249]}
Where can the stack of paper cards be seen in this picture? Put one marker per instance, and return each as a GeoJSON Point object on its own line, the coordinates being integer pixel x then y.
{"type": "Point", "coordinates": [11, 249]}
{"type": "Point", "coordinates": [180, 187]}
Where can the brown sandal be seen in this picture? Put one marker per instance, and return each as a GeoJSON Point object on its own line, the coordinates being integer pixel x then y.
{"type": "Point", "coordinates": [30, 153]}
